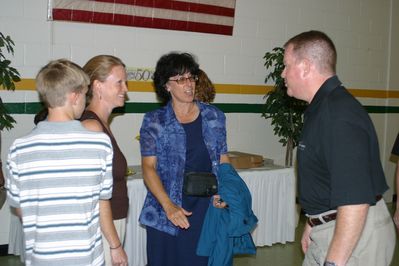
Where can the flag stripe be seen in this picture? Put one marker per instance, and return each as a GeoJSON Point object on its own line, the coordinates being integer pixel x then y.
{"type": "Point", "coordinates": [214, 8]}
{"type": "Point", "coordinates": [220, 3]}
{"type": "Point", "coordinates": [201, 16]}
{"type": "Point", "coordinates": [90, 15]}
{"type": "Point", "coordinates": [137, 21]}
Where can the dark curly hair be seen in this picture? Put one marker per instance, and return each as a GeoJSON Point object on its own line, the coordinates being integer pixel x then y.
{"type": "Point", "coordinates": [170, 65]}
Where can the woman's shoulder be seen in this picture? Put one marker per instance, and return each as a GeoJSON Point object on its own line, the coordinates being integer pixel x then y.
{"type": "Point", "coordinates": [210, 109]}
{"type": "Point", "coordinates": [92, 124]}
{"type": "Point", "coordinates": [158, 116]}
{"type": "Point", "coordinates": [160, 112]}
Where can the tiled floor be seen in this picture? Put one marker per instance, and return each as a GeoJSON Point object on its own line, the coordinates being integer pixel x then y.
{"type": "Point", "coordinates": [289, 254]}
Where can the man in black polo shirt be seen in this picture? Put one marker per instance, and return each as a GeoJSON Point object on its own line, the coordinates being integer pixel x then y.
{"type": "Point", "coordinates": [340, 175]}
{"type": "Point", "coordinates": [395, 151]}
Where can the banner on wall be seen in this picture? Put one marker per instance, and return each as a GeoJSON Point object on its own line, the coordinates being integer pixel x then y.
{"type": "Point", "coordinates": [207, 16]}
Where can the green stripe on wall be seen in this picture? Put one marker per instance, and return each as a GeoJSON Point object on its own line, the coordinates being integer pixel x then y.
{"type": "Point", "coordinates": [23, 108]}
{"type": "Point", "coordinates": [139, 108]}
{"type": "Point", "coordinates": [381, 109]}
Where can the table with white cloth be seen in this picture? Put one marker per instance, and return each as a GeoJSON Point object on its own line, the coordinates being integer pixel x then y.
{"type": "Point", "coordinates": [273, 202]}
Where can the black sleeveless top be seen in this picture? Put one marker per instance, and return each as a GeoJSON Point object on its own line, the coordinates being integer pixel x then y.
{"type": "Point", "coordinates": [119, 200]}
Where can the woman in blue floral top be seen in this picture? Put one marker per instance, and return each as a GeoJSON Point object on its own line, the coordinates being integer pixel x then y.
{"type": "Point", "coordinates": [183, 136]}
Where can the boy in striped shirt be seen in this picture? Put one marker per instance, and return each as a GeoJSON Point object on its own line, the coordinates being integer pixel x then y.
{"type": "Point", "coordinates": [60, 173]}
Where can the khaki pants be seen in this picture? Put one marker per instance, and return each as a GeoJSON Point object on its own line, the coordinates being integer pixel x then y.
{"type": "Point", "coordinates": [375, 247]}
{"type": "Point", "coordinates": [120, 226]}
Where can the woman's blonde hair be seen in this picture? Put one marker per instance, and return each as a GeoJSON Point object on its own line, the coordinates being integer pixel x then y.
{"type": "Point", "coordinates": [99, 68]}
{"type": "Point", "coordinates": [58, 78]}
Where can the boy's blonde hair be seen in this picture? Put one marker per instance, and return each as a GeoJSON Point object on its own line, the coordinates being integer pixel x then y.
{"type": "Point", "coordinates": [58, 78]}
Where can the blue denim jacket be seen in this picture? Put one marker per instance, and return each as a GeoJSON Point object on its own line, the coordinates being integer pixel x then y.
{"type": "Point", "coordinates": [161, 135]}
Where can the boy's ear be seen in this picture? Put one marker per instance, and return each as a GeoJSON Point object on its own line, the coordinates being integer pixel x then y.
{"type": "Point", "coordinates": [73, 97]}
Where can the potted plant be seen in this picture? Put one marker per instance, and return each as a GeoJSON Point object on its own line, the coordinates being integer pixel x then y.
{"type": "Point", "coordinates": [285, 112]}
{"type": "Point", "coordinates": [8, 75]}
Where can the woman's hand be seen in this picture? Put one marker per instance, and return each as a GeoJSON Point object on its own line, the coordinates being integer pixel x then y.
{"type": "Point", "coordinates": [119, 257]}
{"type": "Point", "coordinates": [177, 215]}
{"type": "Point", "coordinates": [218, 202]}
{"type": "Point", "coordinates": [396, 218]}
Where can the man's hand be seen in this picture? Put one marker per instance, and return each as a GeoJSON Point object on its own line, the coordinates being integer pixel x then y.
{"type": "Point", "coordinates": [305, 240]}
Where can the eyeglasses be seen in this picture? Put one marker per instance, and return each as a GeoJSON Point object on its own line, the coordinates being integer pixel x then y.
{"type": "Point", "coordinates": [182, 80]}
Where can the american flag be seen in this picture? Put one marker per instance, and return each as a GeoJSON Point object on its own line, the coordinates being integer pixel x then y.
{"type": "Point", "coordinates": [208, 16]}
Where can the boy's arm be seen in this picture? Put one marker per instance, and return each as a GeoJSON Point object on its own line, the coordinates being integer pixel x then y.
{"type": "Point", "coordinates": [118, 255]}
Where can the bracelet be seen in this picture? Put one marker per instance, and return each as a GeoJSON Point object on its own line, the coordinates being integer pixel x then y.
{"type": "Point", "coordinates": [118, 246]}
{"type": "Point", "coordinates": [329, 263]}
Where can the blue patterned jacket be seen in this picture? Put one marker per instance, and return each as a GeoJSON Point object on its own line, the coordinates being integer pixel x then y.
{"type": "Point", "coordinates": [161, 135]}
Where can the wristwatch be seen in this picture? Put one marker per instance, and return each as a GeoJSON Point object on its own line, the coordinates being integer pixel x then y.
{"type": "Point", "coordinates": [329, 263]}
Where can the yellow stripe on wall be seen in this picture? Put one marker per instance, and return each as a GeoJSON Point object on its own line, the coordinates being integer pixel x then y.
{"type": "Point", "coordinates": [374, 93]}
{"type": "Point", "coordinates": [141, 86]}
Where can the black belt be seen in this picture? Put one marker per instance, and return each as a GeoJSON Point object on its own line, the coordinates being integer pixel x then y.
{"type": "Point", "coordinates": [329, 217]}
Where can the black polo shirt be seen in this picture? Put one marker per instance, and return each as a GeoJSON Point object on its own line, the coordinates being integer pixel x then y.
{"type": "Point", "coordinates": [395, 149]}
{"type": "Point", "coordinates": [338, 154]}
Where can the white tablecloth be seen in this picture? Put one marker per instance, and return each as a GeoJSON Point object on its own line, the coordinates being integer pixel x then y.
{"type": "Point", "coordinates": [273, 202]}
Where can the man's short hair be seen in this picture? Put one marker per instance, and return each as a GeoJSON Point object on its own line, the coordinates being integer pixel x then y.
{"type": "Point", "coordinates": [317, 47]}
{"type": "Point", "coordinates": [58, 78]}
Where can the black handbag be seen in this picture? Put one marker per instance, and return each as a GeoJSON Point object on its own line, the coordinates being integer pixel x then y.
{"type": "Point", "coordinates": [200, 184]}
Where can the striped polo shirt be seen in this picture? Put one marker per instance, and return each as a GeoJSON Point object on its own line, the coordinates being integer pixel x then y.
{"type": "Point", "coordinates": [56, 175]}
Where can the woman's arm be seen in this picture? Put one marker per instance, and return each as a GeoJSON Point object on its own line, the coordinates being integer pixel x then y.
{"type": "Point", "coordinates": [118, 255]}
{"type": "Point", "coordinates": [176, 214]}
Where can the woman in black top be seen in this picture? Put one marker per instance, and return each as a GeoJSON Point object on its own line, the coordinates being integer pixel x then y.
{"type": "Point", "coordinates": [108, 89]}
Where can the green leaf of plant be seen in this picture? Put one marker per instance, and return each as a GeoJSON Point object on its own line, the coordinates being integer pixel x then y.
{"type": "Point", "coordinates": [8, 75]}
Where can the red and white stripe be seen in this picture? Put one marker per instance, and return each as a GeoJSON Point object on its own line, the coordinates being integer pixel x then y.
{"type": "Point", "coordinates": [209, 16]}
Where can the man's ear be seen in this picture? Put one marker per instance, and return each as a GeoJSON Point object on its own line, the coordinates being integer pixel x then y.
{"type": "Point", "coordinates": [306, 66]}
